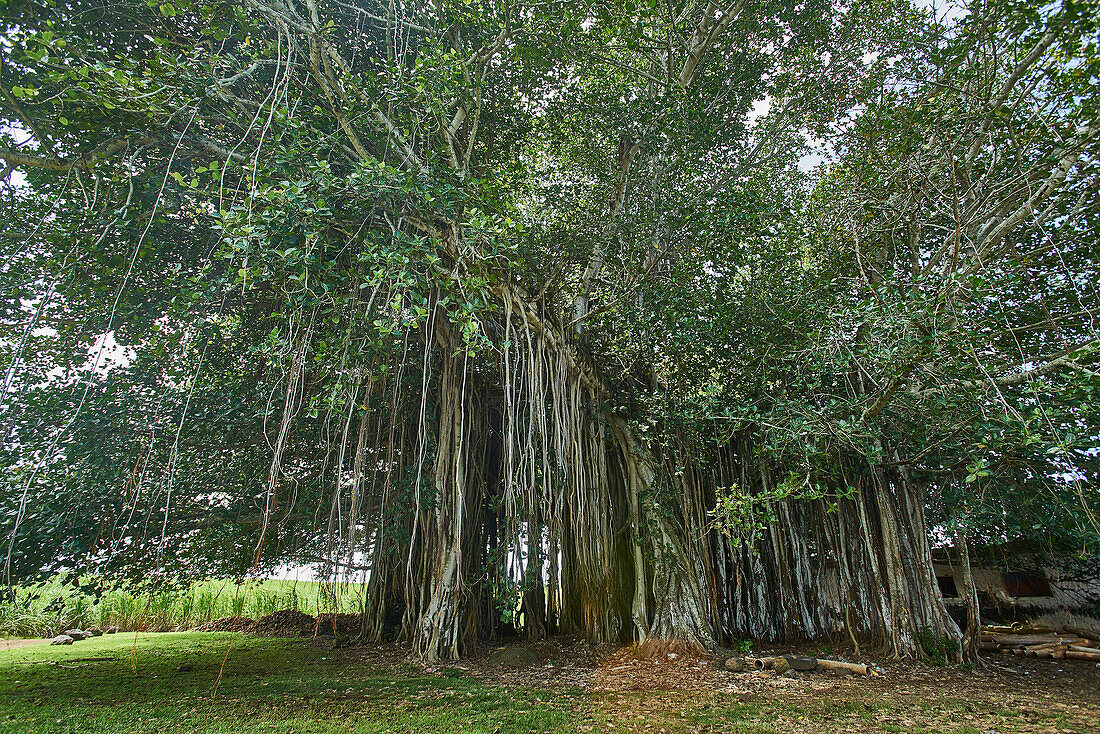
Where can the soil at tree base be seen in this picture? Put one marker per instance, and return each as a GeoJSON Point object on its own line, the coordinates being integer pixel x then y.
{"type": "Point", "coordinates": [663, 682]}
{"type": "Point", "coordinates": [670, 691]}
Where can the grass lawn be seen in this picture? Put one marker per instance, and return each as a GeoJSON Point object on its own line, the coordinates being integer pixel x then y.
{"type": "Point", "coordinates": [220, 682]}
{"type": "Point", "coordinates": [267, 685]}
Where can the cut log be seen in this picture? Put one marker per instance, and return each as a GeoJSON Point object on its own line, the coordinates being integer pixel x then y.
{"type": "Point", "coordinates": [838, 665]}
{"type": "Point", "coordinates": [1083, 648]}
{"type": "Point", "coordinates": [1032, 649]}
{"type": "Point", "coordinates": [1052, 643]}
{"type": "Point", "coordinates": [1035, 641]}
{"type": "Point", "coordinates": [1051, 652]}
{"type": "Point", "coordinates": [1091, 656]}
{"type": "Point", "coordinates": [1079, 632]}
{"type": "Point", "coordinates": [988, 646]}
{"type": "Point", "coordinates": [763, 663]}
{"type": "Point", "coordinates": [1024, 640]}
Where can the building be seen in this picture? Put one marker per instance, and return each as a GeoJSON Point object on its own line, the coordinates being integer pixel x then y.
{"type": "Point", "coordinates": [1016, 585]}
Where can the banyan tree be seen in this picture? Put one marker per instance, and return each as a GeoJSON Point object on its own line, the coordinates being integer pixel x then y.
{"type": "Point", "coordinates": [537, 316]}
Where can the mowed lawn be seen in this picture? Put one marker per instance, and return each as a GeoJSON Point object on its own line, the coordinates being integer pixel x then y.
{"type": "Point", "coordinates": [176, 682]}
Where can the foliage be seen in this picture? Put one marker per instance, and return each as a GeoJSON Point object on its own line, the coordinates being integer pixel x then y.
{"type": "Point", "coordinates": [743, 646]}
{"type": "Point", "coordinates": [361, 286]}
{"type": "Point", "coordinates": [937, 649]}
{"type": "Point", "coordinates": [53, 606]}
{"type": "Point", "coordinates": [744, 517]}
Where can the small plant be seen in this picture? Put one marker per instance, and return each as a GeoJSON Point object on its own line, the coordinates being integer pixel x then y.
{"type": "Point", "coordinates": [265, 603]}
{"type": "Point", "coordinates": [125, 610]}
{"type": "Point", "coordinates": [290, 600]}
{"type": "Point", "coordinates": [205, 605]}
{"type": "Point", "coordinates": [103, 612]}
{"type": "Point", "coordinates": [743, 646]}
{"type": "Point", "coordinates": [237, 602]}
{"type": "Point", "coordinates": [78, 612]}
{"type": "Point", "coordinates": [160, 610]}
{"type": "Point", "coordinates": [936, 648]}
{"type": "Point", "coordinates": [21, 619]}
{"type": "Point", "coordinates": [187, 610]}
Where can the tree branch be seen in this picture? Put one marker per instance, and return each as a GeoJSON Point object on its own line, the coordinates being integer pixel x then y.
{"type": "Point", "coordinates": [112, 148]}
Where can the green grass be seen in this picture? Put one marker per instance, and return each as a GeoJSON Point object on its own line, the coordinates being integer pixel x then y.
{"type": "Point", "coordinates": [267, 685]}
{"type": "Point", "coordinates": [46, 609]}
{"type": "Point", "coordinates": [141, 683]}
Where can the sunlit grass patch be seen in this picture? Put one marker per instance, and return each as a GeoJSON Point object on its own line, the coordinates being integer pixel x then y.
{"type": "Point", "coordinates": [203, 682]}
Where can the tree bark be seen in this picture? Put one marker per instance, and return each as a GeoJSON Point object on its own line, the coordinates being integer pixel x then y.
{"type": "Point", "coordinates": [972, 636]}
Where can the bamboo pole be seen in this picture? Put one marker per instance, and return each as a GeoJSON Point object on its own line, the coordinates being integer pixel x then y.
{"type": "Point", "coordinates": [1091, 656]}
{"type": "Point", "coordinates": [838, 665]}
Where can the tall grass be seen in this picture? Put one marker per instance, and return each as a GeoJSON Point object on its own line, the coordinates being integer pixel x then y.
{"type": "Point", "coordinates": [46, 610]}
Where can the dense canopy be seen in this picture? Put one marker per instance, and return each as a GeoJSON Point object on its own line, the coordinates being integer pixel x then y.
{"type": "Point", "coordinates": [645, 319]}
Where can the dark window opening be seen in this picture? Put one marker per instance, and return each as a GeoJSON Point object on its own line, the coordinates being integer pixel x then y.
{"type": "Point", "coordinates": [1018, 583]}
{"type": "Point", "coordinates": [947, 585]}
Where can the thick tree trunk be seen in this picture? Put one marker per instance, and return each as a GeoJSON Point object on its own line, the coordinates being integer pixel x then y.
{"type": "Point", "coordinates": [680, 608]}
{"type": "Point", "coordinates": [437, 634]}
{"type": "Point", "coordinates": [670, 599]}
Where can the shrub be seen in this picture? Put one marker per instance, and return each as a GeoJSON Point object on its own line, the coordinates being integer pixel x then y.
{"type": "Point", "coordinates": [936, 648]}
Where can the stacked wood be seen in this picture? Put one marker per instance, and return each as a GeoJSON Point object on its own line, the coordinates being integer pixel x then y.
{"type": "Point", "coordinates": [1022, 641]}
{"type": "Point", "coordinates": [1040, 642]}
{"type": "Point", "coordinates": [1081, 652]}
{"type": "Point", "coordinates": [1083, 648]}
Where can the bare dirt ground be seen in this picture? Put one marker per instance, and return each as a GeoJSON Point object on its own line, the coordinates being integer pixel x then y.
{"type": "Point", "coordinates": [628, 692]}
{"type": "Point", "coordinates": [10, 643]}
